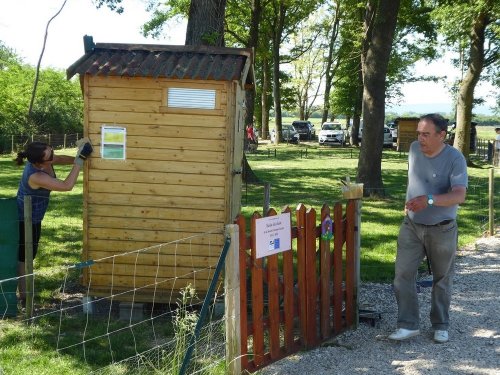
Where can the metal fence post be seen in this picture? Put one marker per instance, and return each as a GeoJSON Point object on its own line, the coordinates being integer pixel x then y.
{"type": "Point", "coordinates": [204, 307]}
{"type": "Point", "coordinates": [491, 206]}
{"type": "Point", "coordinates": [267, 198]}
{"type": "Point", "coordinates": [232, 303]}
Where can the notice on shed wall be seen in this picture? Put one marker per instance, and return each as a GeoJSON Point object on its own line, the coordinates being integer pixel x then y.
{"type": "Point", "coordinates": [273, 235]}
{"type": "Point", "coordinates": [113, 145]}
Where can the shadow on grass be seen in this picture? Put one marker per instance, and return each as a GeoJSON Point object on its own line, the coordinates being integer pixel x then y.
{"type": "Point", "coordinates": [82, 341]}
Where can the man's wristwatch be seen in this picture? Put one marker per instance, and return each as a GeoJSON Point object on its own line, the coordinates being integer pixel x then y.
{"type": "Point", "coordinates": [430, 200]}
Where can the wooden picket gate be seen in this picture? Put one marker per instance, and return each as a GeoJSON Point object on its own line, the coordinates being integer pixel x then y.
{"type": "Point", "coordinates": [299, 298]}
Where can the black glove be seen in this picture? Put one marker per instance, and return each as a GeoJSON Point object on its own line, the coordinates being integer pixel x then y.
{"type": "Point", "coordinates": [86, 150]}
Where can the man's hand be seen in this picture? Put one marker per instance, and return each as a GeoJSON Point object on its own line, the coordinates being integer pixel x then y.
{"type": "Point", "coordinates": [417, 204]}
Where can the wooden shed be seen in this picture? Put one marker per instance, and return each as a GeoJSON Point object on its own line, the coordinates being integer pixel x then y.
{"type": "Point", "coordinates": [407, 132]}
{"type": "Point", "coordinates": [167, 125]}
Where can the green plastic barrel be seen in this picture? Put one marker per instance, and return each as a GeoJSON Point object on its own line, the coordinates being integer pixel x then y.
{"type": "Point", "coordinates": [9, 239]}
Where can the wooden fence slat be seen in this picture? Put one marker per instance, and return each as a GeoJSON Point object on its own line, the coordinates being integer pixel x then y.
{"type": "Point", "coordinates": [301, 270]}
{"type": "Point", "coordinates": [288, 296]}
{"type": "Point", "coordinates": [350, 269]}
{"type": "Point", "coordinates": [257, 300]}
{"type": "Point", "coordinates": [240, 220]}
{"type": "Point", "coordinates": [274, 308]}
{"type": "Point", "coordinates": [325, 276]}
{"type": "Point", "coordinates": [338, 236]}
{"type": "Point", "coordinates": [311, 278]}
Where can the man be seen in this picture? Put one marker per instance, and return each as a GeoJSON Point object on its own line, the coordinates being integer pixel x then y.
{"type": "Point", "coordinates": [437, 183]}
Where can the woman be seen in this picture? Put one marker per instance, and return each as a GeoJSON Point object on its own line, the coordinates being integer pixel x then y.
{"type": "Point", "coordinates": [38, 180]}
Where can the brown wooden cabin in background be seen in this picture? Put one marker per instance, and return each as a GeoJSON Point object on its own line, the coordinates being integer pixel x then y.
{"type": "Point", "coordinates": [407, 132]}
{"type": "Point", "coordinates": [182, 108]}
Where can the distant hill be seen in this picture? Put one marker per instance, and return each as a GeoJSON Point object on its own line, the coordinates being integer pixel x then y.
{"type": "Point", "coordinates": [444, 108]}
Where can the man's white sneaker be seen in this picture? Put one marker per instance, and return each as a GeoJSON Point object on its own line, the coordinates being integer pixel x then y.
{"type": "Point", "coordinates": [402, 334]}
{"type": "Point", "coordinates": [440, 336]}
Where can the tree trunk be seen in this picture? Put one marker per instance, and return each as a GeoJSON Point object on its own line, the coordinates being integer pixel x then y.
{"type": "Point", "coordinates": [468, 84]}
{"type": "Point", "coordinates": [206, 27]}
{"type": "Point", "coordinates": [276, 43]}
{"type": "Point", "coordinates": [302, 108]}
{"type": "Point", "coordinates": [277, 91]}
{"type": "Point", "coordinates": [329, 63]}
{"type": "Point", "coordinates": [358, 103]}
{"type": "Point", "coordinates": [380, 24]}
{"type": "Point", "coordinates": [265, 98]}
{"type": "Point", "coordinates": [252, 43]}
{"type": "Point", "coordinates": [206, 23]}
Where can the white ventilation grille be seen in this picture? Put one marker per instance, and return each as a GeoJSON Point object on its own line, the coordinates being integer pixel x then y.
{"type": "Point", "coordinates": [191, 98]}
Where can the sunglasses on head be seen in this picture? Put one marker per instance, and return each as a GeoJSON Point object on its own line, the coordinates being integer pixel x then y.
{"type": "Point", "coordinates": [51, 157]}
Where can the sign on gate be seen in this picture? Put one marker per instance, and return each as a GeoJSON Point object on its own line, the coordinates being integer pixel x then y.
{"type": "Point", "coordinates": [273, 235]}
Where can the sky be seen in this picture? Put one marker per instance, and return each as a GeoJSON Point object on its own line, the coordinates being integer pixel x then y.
{"type": "Point", "coordinates": [23, 24]}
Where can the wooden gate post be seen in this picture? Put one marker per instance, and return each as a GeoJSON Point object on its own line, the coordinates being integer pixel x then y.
{"type": "Point", "coordinates": [232, 302]}
{"type": "Point", "coordinates": [357, 255]}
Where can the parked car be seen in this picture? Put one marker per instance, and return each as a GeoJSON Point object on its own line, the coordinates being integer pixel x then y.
{"type": "Point", "coordinates": [387, 137]}
{"type": "Point", "coordinates": [305, 129]}
{"type": "Point", "coordinates": [331, 133]}
{"type": "Point", "coordinates": [290, 135]}
{"type": "Point", "coordinates": [360, 130]}
{"type": "Point", "coordinates": [473, 135]}
{"type": "Point", "coordinates": [394, 130]}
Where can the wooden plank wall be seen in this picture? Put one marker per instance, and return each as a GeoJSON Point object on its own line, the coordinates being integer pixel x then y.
{"type": "Point", "coordinates": [407, 133]}
{"type": "Point", "coordinates": [173, 183]}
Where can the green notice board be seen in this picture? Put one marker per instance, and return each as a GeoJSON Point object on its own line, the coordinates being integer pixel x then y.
{"type": "Point", "coordinates": [9, 239]}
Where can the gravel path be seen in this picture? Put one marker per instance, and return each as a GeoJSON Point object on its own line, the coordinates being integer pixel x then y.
{"type": "Point", "coordinates": [474, 346]}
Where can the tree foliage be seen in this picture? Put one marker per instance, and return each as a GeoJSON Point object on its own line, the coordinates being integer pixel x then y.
{"type": "Point", "coordinates": [473, 28]}
{"type": "Point", "coordinates": [58, 106]}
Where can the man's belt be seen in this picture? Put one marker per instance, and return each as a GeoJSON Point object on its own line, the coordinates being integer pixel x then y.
{"type": "Point", "coordinates": [444, 222]}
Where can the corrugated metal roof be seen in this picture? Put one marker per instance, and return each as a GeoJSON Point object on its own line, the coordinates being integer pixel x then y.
{"type": "Point", "coordinates": [165, 61]}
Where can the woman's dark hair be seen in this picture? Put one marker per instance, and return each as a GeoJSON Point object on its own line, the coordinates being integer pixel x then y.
{"type": "Point", "coordinates": [34, 152]}
{"type": "Point", "coordinates": [439, 121]}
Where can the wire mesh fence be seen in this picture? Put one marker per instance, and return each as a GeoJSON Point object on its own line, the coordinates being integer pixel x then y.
{"type": "Point", "coordinates": [13, 143]}
{"type": "Point", "coordinates": [111, 333]}
{"type": "Point", "coordinates": [104, 335]}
